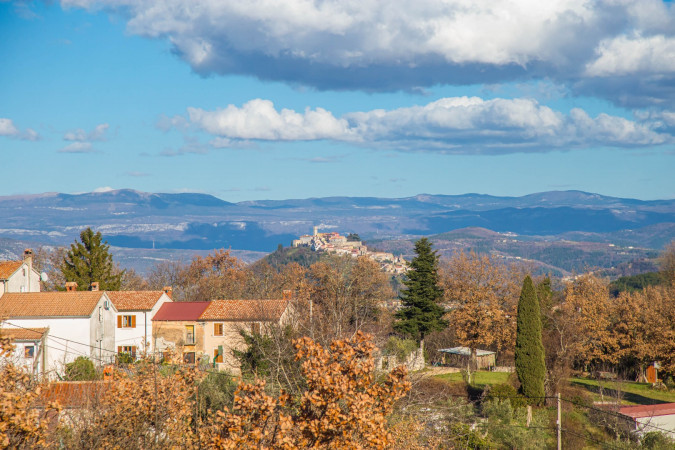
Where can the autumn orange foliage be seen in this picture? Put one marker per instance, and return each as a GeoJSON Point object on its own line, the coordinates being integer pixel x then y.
{"type": "Point", "coordinates": [343, 406]}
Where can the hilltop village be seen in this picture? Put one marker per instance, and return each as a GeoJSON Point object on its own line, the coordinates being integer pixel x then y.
{"type": "Point", "coordinates": [351, 245]}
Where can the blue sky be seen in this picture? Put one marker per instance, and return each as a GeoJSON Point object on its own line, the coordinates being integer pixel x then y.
{"type": "Point", "coordinates": [262, 99]}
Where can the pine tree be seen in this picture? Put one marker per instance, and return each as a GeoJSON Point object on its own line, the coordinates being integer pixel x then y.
{"type": "Point", "coordinates": [529, 357]}
{"type": "Point", "coordinates": [90, 260]}
{"type": "Point", "coordinates": [421, 313]}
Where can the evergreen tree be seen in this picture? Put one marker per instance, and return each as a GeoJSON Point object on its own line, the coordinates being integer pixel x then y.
{"type": "Point", "coordinates": [421, 313]}
{"type": "Point", "coordinates": [529, 357]}
{"type": "Point", "coordinates": [90, 260]}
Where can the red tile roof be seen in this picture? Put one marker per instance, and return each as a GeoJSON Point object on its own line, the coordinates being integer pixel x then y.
{"type": "Point", "coordinates": [134, 300]}
{"type": "Point", "coordinates": [178, 311]}
{"type": "Point", "coordinates": [7, 268]}
{"type": "Point", "coordinates": [46, 304]}
{"type": "Point", "coordinates": [245, 310]}
{"type": "Point", "coordinates": [23, 334]}
{"type": "Point", "coordinates": [662, 409]}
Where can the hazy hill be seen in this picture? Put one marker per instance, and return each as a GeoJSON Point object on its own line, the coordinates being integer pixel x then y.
{"type": "Point", "coordinates": [544, 222]}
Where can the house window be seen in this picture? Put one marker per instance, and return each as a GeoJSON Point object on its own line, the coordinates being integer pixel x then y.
{"type": "Point", "coordinates": [217, 329]}
{"type": "Point", "coordinates": [189, 358]}
{"type": "Point", "coordinates": [126, 321]}
{"type": "Point", "coordinates": [218, 355]}
{"type": "Point", "coordinates": [29, 351]}
{"type": "Point", "coordinates": [189, 334]}
{"type": "Point", "coordinates": [255, 328]}
{"type": "Point", "coordinates": [129, 349]}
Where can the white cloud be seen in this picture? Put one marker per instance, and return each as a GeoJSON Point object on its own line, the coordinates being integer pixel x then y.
{"type": "Point", "coordinates": [449, 125]}
{"type": "Point", "coordinates": [398, 44]}
{"type": "Point", "coordinates": [257, 119]}
{"type": "Point", "coordinates": [626, 56]}
{"type": "Point", "coordinates": [79, 135]}
{"type": "Point", "coordinates": [8, 129]}
{"type": "Point", "coordinates": [78, 147]}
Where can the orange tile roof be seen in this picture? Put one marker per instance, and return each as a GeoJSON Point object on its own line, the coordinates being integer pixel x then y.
{"type": "Point", "coordinates": [72, 394]}
{"type": "Point", "coordinates": [23, 334]}
{"type": "Point", "coordinates": [660, 409]}
{"type": "Point", "coordinates": [7, 268]}
{"type": "Point", "coordinates": [45, 304]}
{"type": "Point", "coordinates": [245, 310]}
{"type": "Point", "coordinates": [134, 300]}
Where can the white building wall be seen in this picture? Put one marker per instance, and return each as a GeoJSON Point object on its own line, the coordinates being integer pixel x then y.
{"type": "Point", "coordinates": [31, 365]}
{"type": "Point", "coordinates": [23, 280]}
{"type": "Point", "coordinates": [142, 335]}
{"type": "Point", "coordinates": [664, 424]}
{"type": "Point", "coordinates": [68, 338]}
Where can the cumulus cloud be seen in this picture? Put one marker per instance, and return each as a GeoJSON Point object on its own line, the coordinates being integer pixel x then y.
{"type": "Point", "coordinates": [374, 45]}
{"type": "Point", "coordinates": [79, 135]}
{"type": "Point", "coordinates": [78, 147]}
{"type": "Point", "coordinates": [448, 125]}
{"type": "Point", "coordinates": [8, 129]}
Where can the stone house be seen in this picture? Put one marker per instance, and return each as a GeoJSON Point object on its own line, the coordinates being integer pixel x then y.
{"type": "Point", "coordinates": [208, 332]}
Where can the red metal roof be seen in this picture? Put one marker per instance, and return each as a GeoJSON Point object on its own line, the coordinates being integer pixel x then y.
{"type": "Point", "coordinates": [178, 311]}
{"type": "Point", "coordinates": [661, 409]}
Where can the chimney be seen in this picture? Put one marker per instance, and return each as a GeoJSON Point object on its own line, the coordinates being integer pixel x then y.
{"type": "Point", "coordinates": [28, 257]}
{"type": "Point", "coordinates": [287, 294]}
{"type": "Point", "coordinates": [168, 290]}
{"type": "Point", "coordinates": [94, 285]}
{"type": "Point", "coordinates": [71, 286]}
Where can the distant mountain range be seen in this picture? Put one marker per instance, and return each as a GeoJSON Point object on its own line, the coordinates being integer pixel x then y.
{"type": "Point", "coordinates": [141, 220]}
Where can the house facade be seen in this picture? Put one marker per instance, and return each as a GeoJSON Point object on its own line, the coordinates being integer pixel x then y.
{"type": "Point", "coordinates": [19, 276]}
{"type": "Point", "coordinates": [80, 323]}
{"type": "Point", "coordinates": [133, 321]}
{"type": "Point", "coordinates": [30, 349]}
{"type": "Point", "coordinates": [208, 332]}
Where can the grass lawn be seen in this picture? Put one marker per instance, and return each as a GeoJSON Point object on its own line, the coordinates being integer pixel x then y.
{"type": "Point", "coordinates": [633, 393]}
{"type": "Point", "coordinates": [481, 378]}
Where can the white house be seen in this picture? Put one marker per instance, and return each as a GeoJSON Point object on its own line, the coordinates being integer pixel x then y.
{"type": "Point", "coordinates": [135, 310]}
{"type": "Point", "coordinates": [19, 276]}
{"type": "Point", "coordinates": [81, 323]}
{"type": "Point", "coordinates": [646, 418]}
{"type": "Point", "coordinates": [30, 350]}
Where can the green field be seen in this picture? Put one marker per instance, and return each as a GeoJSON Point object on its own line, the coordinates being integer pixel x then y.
{"type": "Point", "coordinates": [481, 378]}
{"type": "Point", "coordinates": [631, 393]}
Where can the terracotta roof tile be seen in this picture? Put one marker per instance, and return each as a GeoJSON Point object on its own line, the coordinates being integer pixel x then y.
{"type": "Point", "coordinates": [23, 334]}
{"type": "Point", "coordinates": [72, 394]}
{"type": "Point", "coordinates": [134, 300]}
{"type": "Point", "coordinates": [45, 304]}
{"type": "Point", "coordinates": [7, 268]}
{"type": "Point", "coordinates": [661, 409]}
{"type": "Point", "coordinates": [178, 311]}
{"type": "Point", "coordinates": [245, 310]}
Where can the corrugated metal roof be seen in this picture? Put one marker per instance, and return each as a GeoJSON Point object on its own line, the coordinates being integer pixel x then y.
{"type": "Point", "coordinates": [245, 310]}
{"type": "Point", "coordinates": [661, 409]}
{"type": "Point", "coordinates": [178, 311]}
{"type": "Point", "coordinates": [7, 268]}
{"type": "Point", "coordinates": [49, 304]}
{"type": "Point", "coordinates": [134, 300]}
{"type": "Point", "coordinates": [465, 351]}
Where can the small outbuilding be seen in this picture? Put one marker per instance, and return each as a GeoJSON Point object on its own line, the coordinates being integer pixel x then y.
{"type": "Point", "coordinates": [460, 356]}
{"type": "Point", "coordinates": [646, 418]}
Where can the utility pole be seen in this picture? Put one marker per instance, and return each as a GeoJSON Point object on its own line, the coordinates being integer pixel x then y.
{"type": "Point", "coordinates": [559, 425]}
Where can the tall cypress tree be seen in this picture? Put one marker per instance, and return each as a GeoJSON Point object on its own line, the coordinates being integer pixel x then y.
{"type": "Point", "coordinates": [421, 313]}
{"type": "Point", "coordinates": [530, 363]}
{"type": "Point", "coordinates": [90, 260]}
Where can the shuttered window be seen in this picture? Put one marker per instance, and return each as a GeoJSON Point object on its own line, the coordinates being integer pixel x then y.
{"type": "Point", "coordinates": [126, 321]}
{"type": "Point", "coordinates": [217, 356]}
{"type": "Point", "coordinates": [217, 329]}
